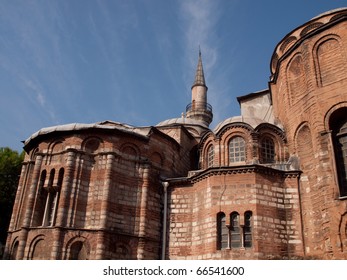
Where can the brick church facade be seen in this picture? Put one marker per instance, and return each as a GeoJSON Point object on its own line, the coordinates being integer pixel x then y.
{"type": "Point", "coordinates": [269, 184]}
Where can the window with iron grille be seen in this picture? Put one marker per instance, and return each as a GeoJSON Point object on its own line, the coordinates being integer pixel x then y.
{"type": "Point", "coordinates": [267, 150]}
{"type": "Point", "coordinates": [247, 230]}
{"type": "Point", "coordinates": [338, 126]}
{"type": "Point", "coordinates": [210, 156]}
{"type": "Point", "coordinates": [222, 232]}
{"type": "Point", "coordinates": [237, 150]}
{"type": "Point", "coordinates": [235, 230]}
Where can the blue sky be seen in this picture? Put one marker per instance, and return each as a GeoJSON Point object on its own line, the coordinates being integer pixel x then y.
{"type": "Point", "coordinates": [134, 61]}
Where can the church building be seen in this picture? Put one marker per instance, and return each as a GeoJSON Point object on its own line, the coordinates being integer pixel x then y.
{"type": "Point", "coordinates": [269, 184]}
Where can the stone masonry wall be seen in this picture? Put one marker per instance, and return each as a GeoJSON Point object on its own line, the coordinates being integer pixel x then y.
{"type": "Point", "coordinates": [310, 84]}
{"type": "Point", "coordinates": [272, 199]}
{"type": "Point", "coordinates": [110, 196]}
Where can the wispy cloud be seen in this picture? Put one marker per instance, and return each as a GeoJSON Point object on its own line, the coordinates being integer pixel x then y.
{"type": "Point", "coordinates": [37, 91]}
{"type": "Point", "coordinates": [201, 19]}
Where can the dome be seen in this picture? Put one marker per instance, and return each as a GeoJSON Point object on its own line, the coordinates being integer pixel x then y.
{"type": "Point", "coordinates": [181, 120]}
{"type": "Point", "coordinates": [330, 12]}
{"type": "Point", "coordinates": [253, 122]}
{"type": "Point", "coordinates": [105, 125]}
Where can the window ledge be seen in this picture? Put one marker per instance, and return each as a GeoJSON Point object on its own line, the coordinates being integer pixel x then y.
{"type": "Point", "coordinates": [343, 197]}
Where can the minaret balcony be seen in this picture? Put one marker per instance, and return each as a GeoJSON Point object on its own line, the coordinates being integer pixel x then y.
{"type": "Point", "coordinates": [199, 106]}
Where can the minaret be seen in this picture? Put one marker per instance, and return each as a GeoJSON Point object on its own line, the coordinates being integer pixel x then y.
{"type": "Point", "coordinates": [199, 109]}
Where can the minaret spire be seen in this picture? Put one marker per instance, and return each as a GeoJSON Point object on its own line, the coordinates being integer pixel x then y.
{"type": "Point", "coordinates": [199, 109]}
{"type": "Point", "coordinates": [199, 74]}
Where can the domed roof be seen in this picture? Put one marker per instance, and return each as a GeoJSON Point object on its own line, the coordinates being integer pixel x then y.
{"type": "Point", "coordinates": [105, 125]}
{"type": "Point", "coordinates": [330, 12]}
{"type": "Point", "coordinates": [294, 38]}
{"type": "Point", "coordinates": [183, 121]}
{"type": "Point", "coordinates": [253, 122]}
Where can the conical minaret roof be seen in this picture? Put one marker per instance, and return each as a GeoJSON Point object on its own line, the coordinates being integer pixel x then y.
{"type": "Point", "coordinates": [199, 75]}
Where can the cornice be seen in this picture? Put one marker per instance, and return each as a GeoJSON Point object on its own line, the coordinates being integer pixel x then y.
{"type": "Point", "coordinates": [230, 170]}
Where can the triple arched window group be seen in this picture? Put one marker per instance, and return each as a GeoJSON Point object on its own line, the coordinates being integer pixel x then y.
{"type": "Point", "coordinates": [237, 151]}
{"type": "Point", "coordinates": [231, 233]}
{"type": "Point", "coordinates": [47, 197]}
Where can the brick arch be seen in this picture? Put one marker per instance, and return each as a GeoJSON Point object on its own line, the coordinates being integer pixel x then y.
{"type": "Point", "coordinates": [310, 27]}
{"type": "Point", "coordinates": [329, 60]}
{"type": "Point", "coordinates": [338, 16]}
{"type": "Point", "coordinates": [131, 150]}
{"type": "Point", "coordinates": [231, 134]}
{"type": "Point", "coordinates": [273, 130]}
{"type": "Point", "coordinates": [204, 153]}
{"type": "Point", "coordinates": [330, 112]}
{"type": "Point", "coordinates": [71, 247]}
{"type": "Point", "coordinates": [296, 78]}
{"type": "Point", "coordinates": [304, 146]}
{"type": "Point", "coordinates": [240, 125]}
{"type": "Point", "coordinates": [34, 153]}
{"type": "Point", "coordinates": [56, 146]}
{"type": "Point", "coordinates": [208, 139]}
{"type": "Point", "coordinates": [92, 144]}
{"type": "Point", "coordinates": [310, 203]}
{"type": "Point", "coordinates": [270, 131]}
{"type": "Point", "coordinates": [287, 43]}
{"type": "Point", "coordinates": [122, 251]}
{"type": "Point", "coordinates": [38, 249]}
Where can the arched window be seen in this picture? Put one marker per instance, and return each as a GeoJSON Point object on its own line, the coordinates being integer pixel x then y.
{"type": "Point", "coordinates": [210, 156]}
{"type": "Point", "coordinates": [40, 202]}
{"type": "Point", "coordinates": [13, 255]}
{"type": "Point", "coordinates": [122, 252]}
{"type": "Point", "coordinates": [247, 230]}
{"type": "Point", "coordinates": [52, 199]}
{"type": "Point", "coordinates": [222, 232]}
{"type": "Point", "coordinates": [338, 126]}
{"type": "Point", "coordinates": [267, 150]}
{"type": "Point", "coordinates": [237, 151]}
{"type": "Point", "coordinates": [235, 232]}
{"type": "Point", "coordinates": [78, 251]}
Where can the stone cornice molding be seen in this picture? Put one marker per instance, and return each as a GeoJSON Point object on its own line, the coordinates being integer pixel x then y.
{"type": "Point", "coordinates": [229, 170]}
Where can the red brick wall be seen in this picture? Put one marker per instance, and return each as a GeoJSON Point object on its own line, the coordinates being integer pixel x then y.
{"type": "Point", "coordinates": [270, 195]}
{"type": "Point", "coordinates": [320, 88]}
{"type": "Point", "coordinates": [110, 199]}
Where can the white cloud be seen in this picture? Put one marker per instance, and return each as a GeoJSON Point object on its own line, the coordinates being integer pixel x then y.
{"type": "Point", "coordinates": [36, 89]}
{"type": "Point", "coordinates": [200, 19]}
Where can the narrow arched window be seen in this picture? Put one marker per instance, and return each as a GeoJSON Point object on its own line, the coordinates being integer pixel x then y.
{"type": "Point", "coordinates": [222, 232]}
{"type": "Point", "coordinates": [338, 126]}
{"type": "Point", "coordinates": [78, 251]}
{"type": "Point", "coordinates": [267, 150]}
{"type": "Point", "coordinates": [60, 178]}
{"type": "Point", "coordinates": [51, 201]}
{"type": "Point", "coordinates": [210, 156]}
{"type": "Point", "coordinates": [235, 232]}
{"type": "Point", "coordinates": [247, 230]}
{"type": "Point", "coordinates": [40, 201]}
{"type": "Point", "coordinates": [237, 151]}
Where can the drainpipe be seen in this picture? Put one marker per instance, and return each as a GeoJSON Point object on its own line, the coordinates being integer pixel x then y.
{"type": "Point", "coordinates": [163, 248]}
{"type": "Point", "coordinates": [301, 218]}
